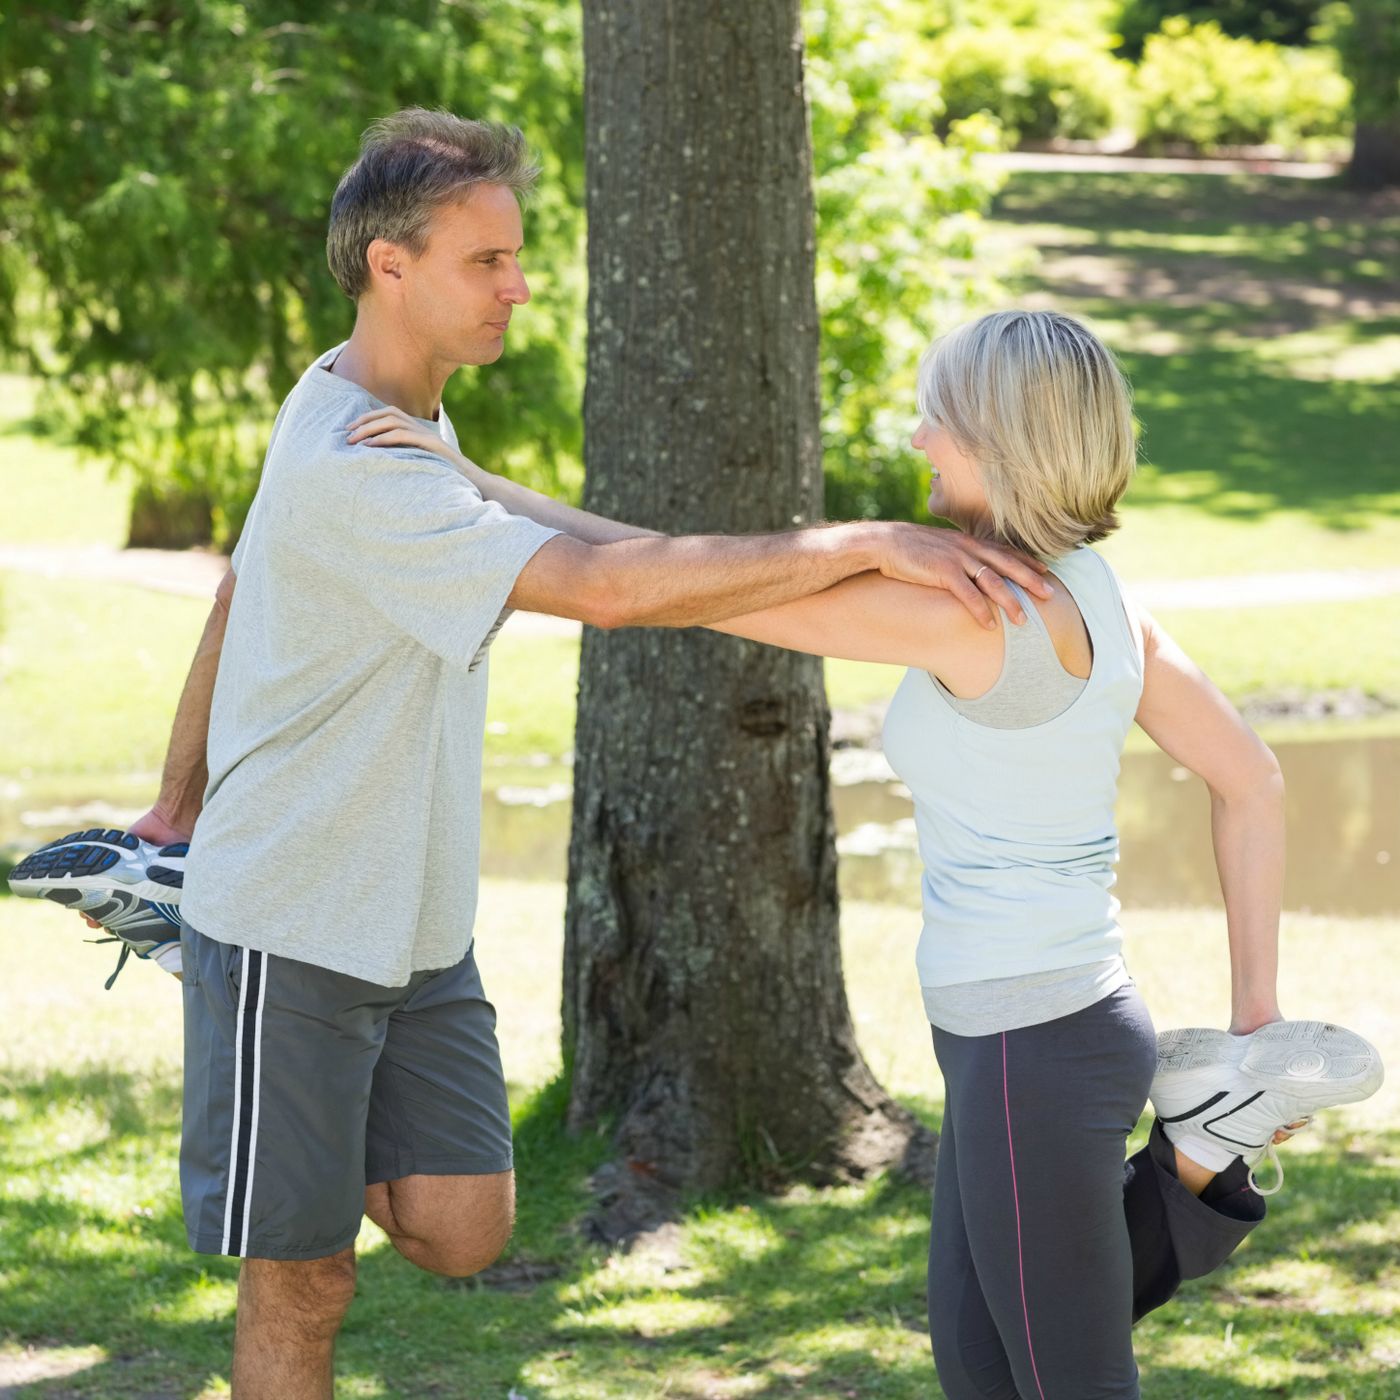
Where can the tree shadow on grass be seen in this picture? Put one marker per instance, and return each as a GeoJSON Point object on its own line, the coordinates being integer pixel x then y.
{"type": "Point", "coordinates": [1323, 219]}
{"type": "Point", "coordinates": [808, 1264]}
{"type": "Point", "coordinates": [1224, 436]}
{"type": "Point", "coordinates": [81, 1262]}
{"type": "Point", "coordinates": [130, 1104]}
{"type": "Point", "coordinates": [810, 1294]}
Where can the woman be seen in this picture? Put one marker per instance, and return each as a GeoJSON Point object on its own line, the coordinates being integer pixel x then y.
{"type": "Point", "coordinates": [1045, 1246]}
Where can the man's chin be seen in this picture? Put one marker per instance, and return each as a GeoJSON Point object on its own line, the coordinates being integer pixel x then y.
{"type": "Point", "coordinates": [486, 354]}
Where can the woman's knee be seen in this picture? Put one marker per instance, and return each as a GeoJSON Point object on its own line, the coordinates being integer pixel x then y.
{"type": "Point", "coordinates": [968, 1354]}
{"type": "Point", "coordinates": [973, 1369]}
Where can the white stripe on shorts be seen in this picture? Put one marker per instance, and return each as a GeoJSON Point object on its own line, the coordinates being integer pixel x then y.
{"type": "Point", "coordinates": [246, 1098]}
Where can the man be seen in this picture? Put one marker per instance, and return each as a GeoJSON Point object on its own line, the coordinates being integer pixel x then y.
{"type": "Point", "coordinates": [340, 1052]}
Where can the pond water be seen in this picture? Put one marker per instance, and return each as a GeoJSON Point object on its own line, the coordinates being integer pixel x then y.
{"type": "Point", "coordinates": [1343, 827]}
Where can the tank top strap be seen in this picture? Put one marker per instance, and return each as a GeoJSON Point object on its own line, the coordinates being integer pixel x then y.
{"type": "Point", "coordinates": [1098, 594]}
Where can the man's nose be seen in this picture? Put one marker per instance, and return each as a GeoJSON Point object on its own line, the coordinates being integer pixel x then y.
{"type": "Point", "coordinates": [517, 291]}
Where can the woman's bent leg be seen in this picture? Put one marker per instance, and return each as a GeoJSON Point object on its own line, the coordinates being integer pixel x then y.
{"type": "Point", "coordinates": [1176, 1235]}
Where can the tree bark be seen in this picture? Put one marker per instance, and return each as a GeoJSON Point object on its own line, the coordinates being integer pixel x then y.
{"type": "Point", "coordinates": [1370, 47]}
{"type": "Point", "coordinates": [1375, 157]}
{"type": "Point", "coordinates": [704, 1009]}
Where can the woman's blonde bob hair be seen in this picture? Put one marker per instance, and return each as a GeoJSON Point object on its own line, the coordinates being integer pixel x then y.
{"type": "Point", "coordinates": [1037, 400]}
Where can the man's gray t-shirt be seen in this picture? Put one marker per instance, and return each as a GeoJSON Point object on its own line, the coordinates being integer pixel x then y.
{"type": "Point", "coordinates": [342, 819]}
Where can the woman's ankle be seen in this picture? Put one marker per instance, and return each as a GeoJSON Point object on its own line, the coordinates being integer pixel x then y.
{"type": "Point", "coordinates": [1192, 1175]}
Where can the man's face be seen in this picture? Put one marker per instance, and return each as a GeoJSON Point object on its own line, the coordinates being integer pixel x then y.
{"type": "Point", "coordinates": [457, 297]}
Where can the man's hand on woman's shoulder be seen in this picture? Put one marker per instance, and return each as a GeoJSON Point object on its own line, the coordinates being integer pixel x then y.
{"type": "Point", "coordinates": [972, 570]}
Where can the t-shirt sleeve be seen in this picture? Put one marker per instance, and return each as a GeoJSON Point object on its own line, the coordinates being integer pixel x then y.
{"type": "Point", "coordinates": [432, 556]}
{"type": "Point", "coordinates": [241, 548]}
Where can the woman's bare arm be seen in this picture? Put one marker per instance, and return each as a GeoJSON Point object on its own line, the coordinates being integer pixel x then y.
{"type": "Point", "coordinates": [1188, 718]}
{"type": "Point", "coordinates": [873, 618]}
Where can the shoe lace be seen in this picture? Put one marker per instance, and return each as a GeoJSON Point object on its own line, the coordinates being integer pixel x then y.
{"type": "Point", "coordinates": [1271, 1155]}
{"type": "Point", "coordinates": [121, 961]}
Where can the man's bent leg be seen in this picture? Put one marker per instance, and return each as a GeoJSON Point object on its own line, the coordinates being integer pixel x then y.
{"type": "Point", "coordinates": [289, 1312]}
{"type": "Point", "coordinates": [451, 1225]}
{"type": "Point", "coordinates": [438, 1152]}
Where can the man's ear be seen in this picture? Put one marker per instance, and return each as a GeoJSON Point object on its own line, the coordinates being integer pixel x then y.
{"type": "Point", "coordinates": [385, 260]}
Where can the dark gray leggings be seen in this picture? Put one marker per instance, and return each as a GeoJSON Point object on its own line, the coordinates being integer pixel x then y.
{"type": "Point", "coordinates": [1046, 1246]}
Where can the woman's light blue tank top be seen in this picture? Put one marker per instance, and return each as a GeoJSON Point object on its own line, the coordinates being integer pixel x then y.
{"type": "Point", "coordinates": [1016, 826]}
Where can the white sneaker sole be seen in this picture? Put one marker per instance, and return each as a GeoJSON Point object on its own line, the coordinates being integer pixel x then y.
{"type": "Point", "coordinates": [1314, 1062]}
{"type": "Point", "coordinates": [87, 862]}
{"type": "Point", "coordinates": [1199, 1047]}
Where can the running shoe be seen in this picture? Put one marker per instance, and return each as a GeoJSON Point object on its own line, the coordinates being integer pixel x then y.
{"type": "Point", "coordinates": [129, 886]}
{"type": "Point", "coordinates": [1222, 1096]}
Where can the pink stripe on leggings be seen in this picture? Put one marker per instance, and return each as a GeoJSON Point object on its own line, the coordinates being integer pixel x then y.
{"type": "Point", "coordinates": [1016, 1201]}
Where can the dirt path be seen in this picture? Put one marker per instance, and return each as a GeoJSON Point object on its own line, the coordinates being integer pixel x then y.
{"type": "Point", "coordinates": [1103, 163]}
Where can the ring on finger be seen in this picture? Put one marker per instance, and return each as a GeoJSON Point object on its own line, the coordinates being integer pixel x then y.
{"type": "Point", "coordinates": [980, 572]}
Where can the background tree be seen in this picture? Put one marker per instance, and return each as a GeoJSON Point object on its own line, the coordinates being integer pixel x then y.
{"type": "Point", "coordinates": [704, 1009]}
{"type": "Point", "coordinates": [166, 172]}
{"type": "Point", "coordinates": [1368, 34]}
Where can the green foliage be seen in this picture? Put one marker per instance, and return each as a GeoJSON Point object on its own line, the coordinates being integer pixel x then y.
{"type": "Point", "coordinates": [1278, 21]}
{"type": "Point", "coordinates": [899, 222]}
{"type": "Point", "coordinates": [1367, 34]}
{"type": "Point", "coordinates": [1037, 83]}
{"type": "Point", "coordinates": [1199, 87]}
{"type": "Point", "coordinates": [1080, 19]}
{"type": "Point", "coordinates": [167, 172]}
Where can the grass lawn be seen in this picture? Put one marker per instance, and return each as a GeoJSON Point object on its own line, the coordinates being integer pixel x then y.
{"type": "Point", "coordinates": [811, 1294]}
{"type": "Point", "coordinates": [51, 494]}
{"type": "Point", "coordinates": [1259, 320]}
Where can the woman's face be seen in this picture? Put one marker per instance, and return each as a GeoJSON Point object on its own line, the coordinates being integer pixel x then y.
{"type": "Point", "coordinates": [956, 490]}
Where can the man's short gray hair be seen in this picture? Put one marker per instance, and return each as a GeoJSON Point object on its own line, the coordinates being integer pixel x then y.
{"type": "Point", "coordinates": [410, 165]}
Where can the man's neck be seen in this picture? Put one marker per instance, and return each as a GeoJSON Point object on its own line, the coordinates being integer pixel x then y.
{"type": "Point", "coordinates": [375, 362]}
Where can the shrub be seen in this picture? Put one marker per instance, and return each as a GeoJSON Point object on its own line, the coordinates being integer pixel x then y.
{"type": "Point", "coordinates": [1279, 21]}
{"type": "Point", "coordinates": [901, 251]}
{"type": "Point", "coordinates": [1198, 87]}
{"type": "Point", "coordinates": [1036, 82]}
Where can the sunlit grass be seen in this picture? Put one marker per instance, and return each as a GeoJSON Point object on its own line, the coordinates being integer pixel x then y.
{"type": "Point", "coordinates": [1257, 320]}
{"type": "Point", "coordinates": [51, 494]}
{"type": "Point", "coordinates": [812, 1294]}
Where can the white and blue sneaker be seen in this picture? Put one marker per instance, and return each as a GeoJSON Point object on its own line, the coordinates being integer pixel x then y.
{"type": "Point", "coordinates": [1220, 1096]}
{"type": "Point", "coordinates": [129, 886]}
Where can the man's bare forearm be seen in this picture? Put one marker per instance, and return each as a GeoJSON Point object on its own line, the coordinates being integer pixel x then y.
{"type": "Point", "coordinates": [186, 770]}
{"type": "Point", "coordinates": [657, 581]}
{"type": "Point", "coordinates": [697, 579]}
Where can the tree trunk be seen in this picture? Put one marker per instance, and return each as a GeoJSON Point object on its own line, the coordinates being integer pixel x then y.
{"type": "Point", "coordinates": [1370, 47]}
{"type": "Point", "coordinates": [1375, 158]}
{"type": "Point", "coordinates": [704, 1010]}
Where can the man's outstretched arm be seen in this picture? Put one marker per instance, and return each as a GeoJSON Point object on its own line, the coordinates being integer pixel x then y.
{"type": "Point", "coordinates": [186, 768]}
{"type": "Point", "coordinates": [641, 578]}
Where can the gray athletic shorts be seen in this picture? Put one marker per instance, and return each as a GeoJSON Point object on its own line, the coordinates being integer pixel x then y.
{"type": "Point", "coordinates": [302, 1086]}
